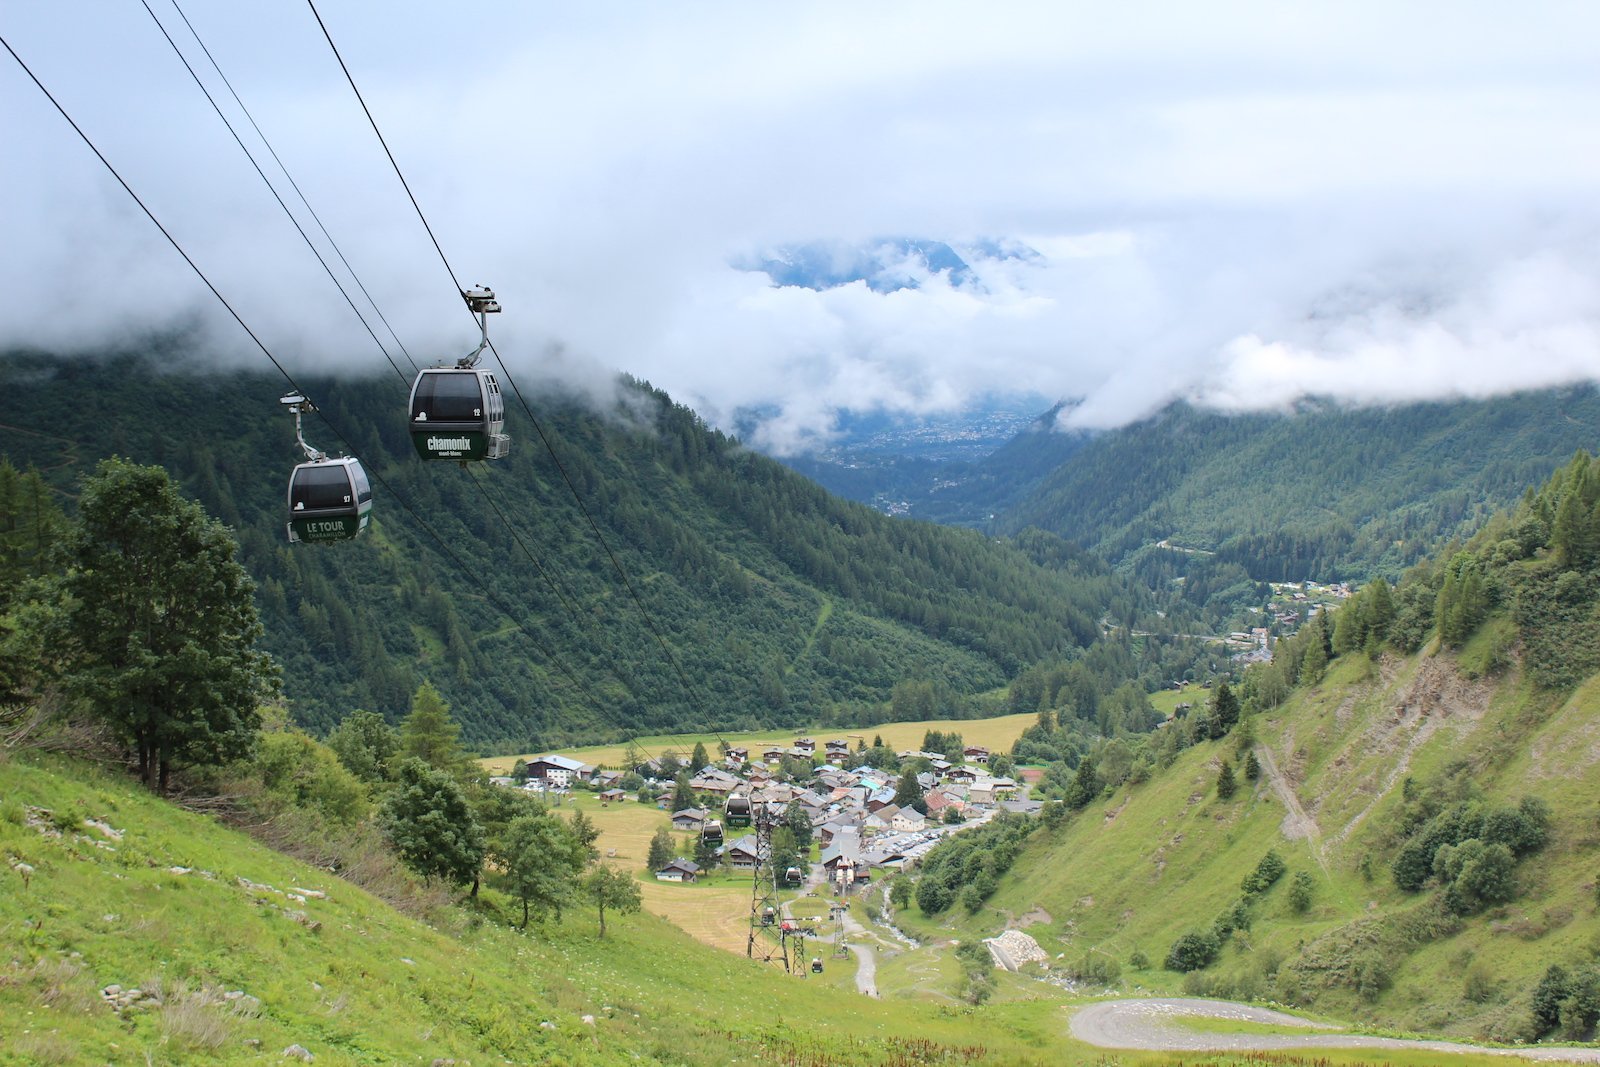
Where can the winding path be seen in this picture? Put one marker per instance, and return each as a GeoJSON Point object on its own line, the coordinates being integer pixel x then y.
{"type": "Point", "coordinates": [1297, 823]}
{"type": "Point", "coordinates": [1145, 1024]}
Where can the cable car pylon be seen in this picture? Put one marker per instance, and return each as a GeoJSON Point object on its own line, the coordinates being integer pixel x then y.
{"type": "Point", "coordinates": [766, 923]}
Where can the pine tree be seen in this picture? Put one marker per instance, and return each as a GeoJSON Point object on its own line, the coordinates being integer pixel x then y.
{"type": "Point", "coordinates": [1252, 767]}
{"type": "Point", "coordinates": [429, 734]}
{"type": "Point", "coordinates": [1224, 710]}
{"type": "Point", "coordinates": [700, 759]}
{"type": "Point", "coordinates": [660, 850]}
{"type": "Point", "coordinates": [1226, 784]}
{"type": "Point", "coordinates": [682, 796]}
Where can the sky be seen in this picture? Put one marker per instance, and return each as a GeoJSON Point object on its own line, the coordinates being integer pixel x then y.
{"type": "Point", "coordinates": [1235, 204]}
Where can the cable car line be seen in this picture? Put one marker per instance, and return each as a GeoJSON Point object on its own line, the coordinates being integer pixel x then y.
{"type": "Point", "coordinates": [338, 529]}
{"type": "Point", "coordinates": [650, 622]}
{"type": "Point", "coordinates": [297, 522]}
{"type": "Point", "coordinates": [296, 186]}
{"type": "Point", "coordinates": [273, 189]}
{"type": "Point", "coordinates": [360, 99]}
{"type": "Point", "coordinates": [443, 545]}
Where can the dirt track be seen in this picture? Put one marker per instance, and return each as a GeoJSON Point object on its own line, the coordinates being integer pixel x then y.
{"type": "Point", "coordinates": [1142, 1024]}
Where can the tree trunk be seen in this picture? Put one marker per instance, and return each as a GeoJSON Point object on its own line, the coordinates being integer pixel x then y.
{"type": "Point", "coordinates": [524, 913]}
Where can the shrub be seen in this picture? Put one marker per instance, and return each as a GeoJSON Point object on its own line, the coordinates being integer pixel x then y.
{"type": "Point", "coordinates": [1193, 951]}
{"type": "Point", "coordinates": [1371, 974]}
{"type": "Point", "coordinates": [1267, 872]}
{"type": "Point", "coordinates": [1138, 960]}
{"type": "Point", "coordinates": [1300, 889]}
{"type": "Point", "coordinates": [1095, 967]}
{"type": "Point", "coordinates": [1552, 989]}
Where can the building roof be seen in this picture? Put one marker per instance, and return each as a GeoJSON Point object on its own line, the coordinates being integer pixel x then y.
{"type": "Point", "coordinates": [686, 866]}
{"type": "Point", "coordinates": [566, 763]}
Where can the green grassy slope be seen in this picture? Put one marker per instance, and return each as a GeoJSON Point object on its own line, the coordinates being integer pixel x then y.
{"type": "Point", "coordinates": [1135, 871]}
{"type": "Point", "coordinates": [180, 906]}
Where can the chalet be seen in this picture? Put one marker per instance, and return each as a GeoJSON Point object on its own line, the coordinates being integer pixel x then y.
{"type": "Point", "coordinates": [558, 772]}
{"type": "Point", "coordinates": [845, 822]}
{"type": "Point", "coordinates": [613, 796]}
{"type": "Point", "coordinates": [741, 854]}
{"type": "Point", "coordinates": [608, 779]}
{"type": "Point", "coordinates": [679, 870]}
{"type": "Point", "coordinates": [738, 754]}
{"type": "Point", "coordinates": [961, 776]}
{"type": "Point", "coordinates": [773, 794]}
{"type": "Point", "coordinates": [833, 778]}
{"type": "Point", "coordinates": [893, 859]}
{"type": "Point", "coordinates": [880, 799]}
{"type": "Point", "coordinates": [690, 820]}
{"type": "Point", "coordinates": [838, 757]}
{"type": "Point", "coordinates": [712, 780]}
{"type": "Point", "coordinates": [842, 859]}
{"type": "Point", "coordinates": [774, 753]}
{"type": "Point", "coordinates": [975, 754]}
{"type": "Point", "coordinates": [837, 744]}
{"type": "Point", "coordinates": [908, 821]}
{"type": "Point", "coordinates": [805, 745]}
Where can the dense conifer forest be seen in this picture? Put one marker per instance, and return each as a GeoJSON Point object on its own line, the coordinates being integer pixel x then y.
{"type": "Point", "coordinates": [778, 602]}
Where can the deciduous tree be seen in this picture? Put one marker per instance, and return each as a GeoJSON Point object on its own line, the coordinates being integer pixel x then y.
{"type": "Point", "coordinates": [610, 888]}
{"type": "Point", "coordinates": [543, 862]}
{"type": "Point", "coordinates": [428, 820]}
{"type": "Point", "coordinates": [162, 623]}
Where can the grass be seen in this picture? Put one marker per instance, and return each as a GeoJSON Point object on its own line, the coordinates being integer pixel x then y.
{"type": "Point", "coordinates": [356, 982]}
{"type": "Point", "coordinates": [1136, 869]}
{"type": "Point", "coordinates": [1211, 1024]}
{"type": "Point", "coordinates": [997, 735]}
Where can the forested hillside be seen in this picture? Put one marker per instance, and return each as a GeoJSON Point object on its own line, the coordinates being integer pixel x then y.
{"type": "Point", "coordinates": [778, 602]}
{"type": "Point", "coordinates": [1327, 493]}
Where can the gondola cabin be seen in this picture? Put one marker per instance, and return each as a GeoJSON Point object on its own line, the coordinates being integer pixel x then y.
{"type": "Point", "coordinates": [793, 877]}
{"type": "Point", "coordinates": [711, 832]}
{"type": "Point", "coordinates": [329, 500]}
{"type": "Point", "coordinates": [737, 811]}
{"type": "Point", "coordinates": [458, 413]}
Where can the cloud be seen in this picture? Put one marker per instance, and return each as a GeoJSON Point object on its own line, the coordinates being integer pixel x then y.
{"type": "Point", "coordinates": [1237, 204]}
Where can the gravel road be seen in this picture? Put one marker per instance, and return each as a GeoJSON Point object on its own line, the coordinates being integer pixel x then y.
{"type": "Point", "coordinates": [1143, 1024]}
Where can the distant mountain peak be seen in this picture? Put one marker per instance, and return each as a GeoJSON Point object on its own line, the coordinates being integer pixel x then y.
{"type": "Point", "coordinates": [885, 264]}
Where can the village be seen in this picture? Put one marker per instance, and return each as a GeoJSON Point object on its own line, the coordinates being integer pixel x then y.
{"type": "Point", "coordinates": [858, 830]}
